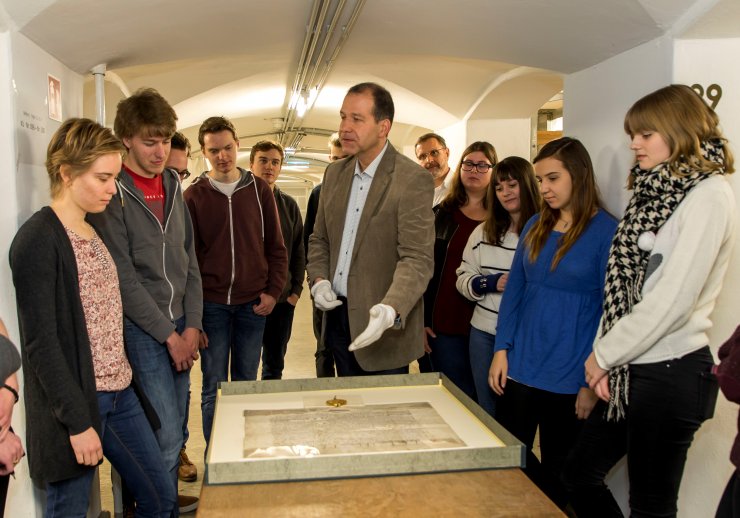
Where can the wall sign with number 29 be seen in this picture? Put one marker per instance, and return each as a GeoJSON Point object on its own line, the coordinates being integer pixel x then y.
{"type": "Point", "coordinates": [713, 93]}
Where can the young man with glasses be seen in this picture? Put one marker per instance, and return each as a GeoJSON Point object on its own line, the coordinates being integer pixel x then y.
{"type": "Point", "coordinates": [179, 155]}
{"type": "Point", "coordinates": [178, 160]}
{"type": "Point", "coordinates": [432, 154]}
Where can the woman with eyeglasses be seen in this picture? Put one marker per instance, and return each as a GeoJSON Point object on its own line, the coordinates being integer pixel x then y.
{"type": "Point", "coordinates": [447, 314]}
{"type": "Point", "coordinates": [550, 312]}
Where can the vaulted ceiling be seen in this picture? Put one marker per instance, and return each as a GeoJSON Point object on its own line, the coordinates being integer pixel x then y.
{"type": "Point", "coordinates": [257, 61]}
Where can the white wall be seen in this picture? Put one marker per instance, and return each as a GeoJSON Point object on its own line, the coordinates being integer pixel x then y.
{"type": "Point", "coordinates": [596, 100]}
{"type": "Point", "coordinates": [510, 137]}
{"type": "Point", "coordinates": [594, 105]}
{"type": "Point", "coordinates": [705, 62]}
{"type": "Point", "coordinates": [24, 135]}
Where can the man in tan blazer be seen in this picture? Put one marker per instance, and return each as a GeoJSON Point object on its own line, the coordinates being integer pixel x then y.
{"type": "Point", "coordinates": [370, 256]}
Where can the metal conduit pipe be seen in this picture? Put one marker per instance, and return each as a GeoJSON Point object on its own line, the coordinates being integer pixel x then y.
{"type": "Point", "coordinates": [304, 51]}
{"type": "Point", "coordinates": [98, 72]}
{"type": "Point", "coordinates": [302, 63]}
{"type": "Point", "coordinates": [329, 35]}
{"type": "Point", "coordinates": [342, 41]}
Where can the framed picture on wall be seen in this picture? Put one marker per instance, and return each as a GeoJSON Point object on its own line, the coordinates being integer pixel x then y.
{"type": "Point", "coordinates": [54, 97]}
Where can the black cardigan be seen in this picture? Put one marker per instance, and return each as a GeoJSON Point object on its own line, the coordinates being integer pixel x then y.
{"type": "Point", "coordinates": [59, 381]}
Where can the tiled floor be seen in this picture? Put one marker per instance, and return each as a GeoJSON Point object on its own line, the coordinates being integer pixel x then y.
{"type": "Point", "coordinates": [299, 363]}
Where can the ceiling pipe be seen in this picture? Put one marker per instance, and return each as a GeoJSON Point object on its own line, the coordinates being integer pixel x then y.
{"type": "Point", "coordinates": [305, 84]}
{"type": "Point", "coordinates": [303, 63]}
{"type": "Point", "coordinates": [329, 34]}
{"type": "Point", "coordinates": [98, 72]}
{"type": "Point", "coordinates": [340, 45]}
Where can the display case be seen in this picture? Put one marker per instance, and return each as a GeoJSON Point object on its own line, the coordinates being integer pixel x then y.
{"type": "Point", "coordinates": [351, 427]}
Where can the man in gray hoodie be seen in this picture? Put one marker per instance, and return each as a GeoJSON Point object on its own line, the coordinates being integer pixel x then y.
{"type": "Point", "coordinates": [148, 231]}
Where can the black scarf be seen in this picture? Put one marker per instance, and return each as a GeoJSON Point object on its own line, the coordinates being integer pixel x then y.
{"type": "Point", "coordinates": [656, 195]}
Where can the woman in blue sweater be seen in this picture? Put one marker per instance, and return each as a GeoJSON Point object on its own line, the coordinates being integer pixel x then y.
{"type": "Point", "coordinates": [550, 311]}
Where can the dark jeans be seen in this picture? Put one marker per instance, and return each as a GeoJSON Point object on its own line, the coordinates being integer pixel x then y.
{"type": "Point", "coordinates": [278, 326]}
{"type": "Point", "coordinates": [521, 410]}
{"type": "Point", "coordinates": [451, 356]}
{"type": "Point", "coordinates": [481, 355]}
{"type": "Point", "coordinates": [234, 338]}
{"type": "Point", "coordinates": [338, 338]}
{"type": "Point", "coordinates": [668, 401]}
{"type": "Point", "coordinates": [425, 363]}
{"type": "Point", "coordinates": [324, 358]}
{"type": "Point", "coordinates": [164, 387]}
{"type": "Point", "coordinates": [729, 505]}
{"type": "Point", "coordinates": [131, 447]}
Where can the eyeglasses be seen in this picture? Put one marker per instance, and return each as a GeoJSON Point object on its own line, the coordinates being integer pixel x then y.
{"type": "Point", "coordinates": [482, 167]}
{"type": "Point", "coordinates": [184, 174]}
{"type": "Point", "coordinates": [434, 153]}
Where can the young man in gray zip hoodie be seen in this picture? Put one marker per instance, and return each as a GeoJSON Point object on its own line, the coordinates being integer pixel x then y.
{"type": "Point", "coordinates": [148, 231]}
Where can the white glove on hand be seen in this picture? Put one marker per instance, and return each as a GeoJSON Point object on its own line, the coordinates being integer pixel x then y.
{"type": "Point", "coordinates": [324, 297]}
{"type": "Point", "coordinates": [382, 316]}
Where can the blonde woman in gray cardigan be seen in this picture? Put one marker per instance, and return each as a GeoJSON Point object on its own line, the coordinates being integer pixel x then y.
{"type": "Point", "coordinates": [513, 198]}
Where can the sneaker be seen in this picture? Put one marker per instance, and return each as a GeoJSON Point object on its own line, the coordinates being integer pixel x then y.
{"type": "Point", "coordinates": [187, 472]}
{"type": "Point", "coordinates": [187, 503]}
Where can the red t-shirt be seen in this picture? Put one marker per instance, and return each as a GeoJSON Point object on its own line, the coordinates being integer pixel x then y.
{"type": "Point", "coordinates": [153, 191]}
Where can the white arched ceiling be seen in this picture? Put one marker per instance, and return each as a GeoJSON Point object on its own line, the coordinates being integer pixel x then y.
{"type": "Point", "coordinates": [443, 60]}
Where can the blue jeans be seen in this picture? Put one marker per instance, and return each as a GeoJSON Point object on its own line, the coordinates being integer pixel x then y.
{"type": "Point", "coordinates": [131, 447]}
{"type": "Point", "coordinates": [481, 355]}
{"type": "Point", "coordinates": [278, 326]}
{"type": "Point", "coordinates": [451, 357]}
{"type": "Point", "coordinates": [165, 388]}
{"type": "Point", "coordinates": [232, 330]}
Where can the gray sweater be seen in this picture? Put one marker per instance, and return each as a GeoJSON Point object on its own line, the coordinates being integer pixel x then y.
{"type": "Point", "coordinates": [157, 267]}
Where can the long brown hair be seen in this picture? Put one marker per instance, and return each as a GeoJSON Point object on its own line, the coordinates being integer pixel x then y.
{"type": "Point", "coordinates": [585, 198]}
{"type": "Point", "coordinates": [499, 220]}
{"type": "Point", "coordinates": [457, 197]}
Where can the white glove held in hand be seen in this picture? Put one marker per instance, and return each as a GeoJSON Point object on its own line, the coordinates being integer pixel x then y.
{"type": "Point", "coordinates": [382, 317]}
{"type": "Point", "coordinates": [324, 297]}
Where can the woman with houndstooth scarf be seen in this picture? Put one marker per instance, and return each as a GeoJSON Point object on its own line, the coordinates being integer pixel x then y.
{"type": "Point", "coordinates": [651, 364]}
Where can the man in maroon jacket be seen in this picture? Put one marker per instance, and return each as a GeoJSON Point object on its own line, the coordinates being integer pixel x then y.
{"type": "Point", "coordinates": [242, 259]}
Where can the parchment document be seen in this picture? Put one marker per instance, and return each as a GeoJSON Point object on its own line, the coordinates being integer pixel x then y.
{"type": "Point", "coordinates": [305, 432]}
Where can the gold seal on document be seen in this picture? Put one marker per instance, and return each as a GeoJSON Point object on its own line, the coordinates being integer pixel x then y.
{"type": "Point", "coordinates": [336, 402]}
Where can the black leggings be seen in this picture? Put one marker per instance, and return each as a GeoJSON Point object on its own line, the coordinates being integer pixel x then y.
{"type": "Point", "coordinates": [521, 410]}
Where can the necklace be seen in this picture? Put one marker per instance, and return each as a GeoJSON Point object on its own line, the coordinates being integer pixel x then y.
{"type": "Point", "coordinates": [565, 224]}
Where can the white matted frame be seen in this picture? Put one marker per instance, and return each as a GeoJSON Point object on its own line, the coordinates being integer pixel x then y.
{"type": "Point", "coordinates": [487, 444]}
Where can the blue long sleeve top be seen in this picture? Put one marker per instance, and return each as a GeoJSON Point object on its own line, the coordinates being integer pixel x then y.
{"type": "Point", "coordinates": [548, 318]}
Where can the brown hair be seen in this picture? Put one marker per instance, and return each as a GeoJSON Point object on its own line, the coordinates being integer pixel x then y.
{"type": "Point", "coordinates": [684, 120]}
{"type": "Point", "coordinates": [499, 220]}
{"type": "Point", "coordinates": [145, 113]}
{"type": "Point", "coordinates": [383, 107]}
{"type": "Point", "coordinates": [430, 136]}
{"type": "Point", "coordinates": [77, 144]}
{"type": "Point", "coordinates": [266, 145]}
{"type": "Point", "coordinates": [457, 197]}
{"type": "Point", "coordinates": [181, 142]}
{"type": "Point", "coordinates": [585, 198]}
{"type": "Point", "coordinates": [334, 140]}
{"type": "Point", "coordinates": [215, 125]}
